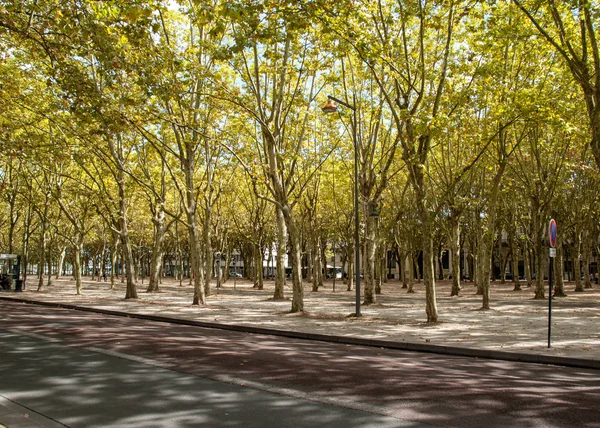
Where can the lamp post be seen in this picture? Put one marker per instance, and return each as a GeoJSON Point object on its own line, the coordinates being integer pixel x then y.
{"type": "Point", "coordinates": [330, 107]}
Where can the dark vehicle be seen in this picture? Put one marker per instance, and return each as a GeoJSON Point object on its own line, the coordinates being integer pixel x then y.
{"type": "Point", "coordinates": [5, 281]}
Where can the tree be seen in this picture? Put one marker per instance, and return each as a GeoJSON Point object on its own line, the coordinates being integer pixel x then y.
{"type": "Point", "coordinates": [276, 61]}
{"type": "Point", "coordinates": [571, 29]}
{"type": "Point", "coordinates": [77, 207]}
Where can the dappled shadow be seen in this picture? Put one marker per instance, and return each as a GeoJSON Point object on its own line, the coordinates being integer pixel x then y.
{"type": "Point", "coordinates": [444, 391]}
{"type": "Point", "coordinates": [87, 389]}
{"type": "Point", "coordinates": [515, 322]}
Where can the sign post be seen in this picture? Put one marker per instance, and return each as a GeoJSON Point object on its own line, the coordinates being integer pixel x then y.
{"type": "Point", "coordinates": [552, 253]}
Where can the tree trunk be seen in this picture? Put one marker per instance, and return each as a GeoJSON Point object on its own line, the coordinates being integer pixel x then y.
{"type": "Point", "coordinates": [281, 251]}
{"type": "Point", "coordinates": [559, 269]}
{"type": "Point", "coordinates": [411, 272]}
{"type": "Point", "coordinates": [208, 250]}
{"type": "Point", "coordinates": [515, 262]}
{"type": "Point", "coordinates": [61, 262]}
{"type": "Point", "coordinates": [438, 261]}
{"type": "Point", "coordinates": [196, 272]}
{"type": "Point", "coordinates": [477, 273]}
{"type": "Point", "coordinates": [140, 263]}
{"type": "Point", "coordinates": [26, 232]}
{"type": "Point", "coordinates": [42, 258]}
{"type": "Point", "coordinates": [370, 248]}
{"type": "Point", "coordinates": [43, 233]}
{"type": "Point", "coordinates": [294, 236]}
{"type": "Point", "coordinates": [401, 262]}
{"type": "Point", "coordinates": [428, 253]}
{"type": "Point", "coordinates": [99, 267]}
{"type": "Point", "coordinates": [161, 273]}
{"type": "Point", "coordinates": [227, 264]}
{"type": "Point", "coordinates": [122, 263]}
{"type": "Point", "coordinates": [49, 261]}
{"type": "Point", "coordinates": [157, 248]}
{"type": "Point", "coordinates": [344, 258]}
{"type": "Point", "coordinates": [94, 266]}
{"type": "Point", "coordinates": [501, 260]}
{"type": "Point", "coordinates": [455, 248]}
{"type": "Point", "coordinates": [384, 269]}
{"type": "Point", "coordinates": [380, 269]}
{"type": "Point", "coordinates": [309, 266]}
{"type": "Point", "coordinates": [322, 262]}
{"type": "Point", "coordinates": [196, 263]}
{"type": "Point", "coordinates": [587, 255]}
{"type": "Point", "coordinates": [77, 268]}
{"type": "Point", "coordinates": [131, 291]}
{"type": "Point", "coordinates": [417, 269]}
{"type": "Point", "coordinates": [117, 154]}
{"type": "Point", "coordinates": [538, 254]}
{"type": "Point", "coordinates": [527, 263]}
{"type": "Point", "coordinates": [576, 262]}
{"type": "Point", "coordinates": [258, 268]}
{"type": "Point", "coordinates": [316, 265]}
{"type": "Point", "coordinates": [350, 272]}
{"type": "Point", "coordinates": [482, 262]}
{"type": "Point", "coordinates": [180, 253]}
{"type": "Point", "coordinates": [254, 272]}
{"type": "Point", "coordinates": [219, 274]}
{"type": "Point", "coordinates": [113, 263]}
{"type": "Point", "coordinates": [269, 259]}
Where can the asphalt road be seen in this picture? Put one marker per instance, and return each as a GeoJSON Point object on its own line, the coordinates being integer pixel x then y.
{"type": "Point", "coordinates": [85, 369]}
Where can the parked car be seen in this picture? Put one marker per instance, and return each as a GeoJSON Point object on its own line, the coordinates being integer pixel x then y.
{"type": "Point", "coordinates": [235, 274]}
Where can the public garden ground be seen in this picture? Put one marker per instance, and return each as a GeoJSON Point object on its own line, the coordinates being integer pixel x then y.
{"type": "Point", "coordinates": [516, 322]}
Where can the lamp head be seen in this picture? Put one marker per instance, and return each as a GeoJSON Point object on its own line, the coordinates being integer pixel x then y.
{"type": "Point", "coordinates": [374, 213]}
{"type": "Point", "coordinates": [330, 107]}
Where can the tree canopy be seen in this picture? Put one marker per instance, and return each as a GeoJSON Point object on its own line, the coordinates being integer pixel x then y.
{"type": "Point", "coordinates": [134, 132]}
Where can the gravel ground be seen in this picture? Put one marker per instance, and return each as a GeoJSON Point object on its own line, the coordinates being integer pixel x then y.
{"type": "Point", "coordinates": [516, 321]}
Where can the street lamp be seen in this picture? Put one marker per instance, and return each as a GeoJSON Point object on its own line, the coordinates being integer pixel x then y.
{"type": "Point", "coordinates": [330, 107]}
{"type": "Point", "coordinates": [374, 213]}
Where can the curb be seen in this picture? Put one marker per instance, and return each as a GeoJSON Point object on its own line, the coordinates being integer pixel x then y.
{"type": "Point", "coordinates": [347, 340]}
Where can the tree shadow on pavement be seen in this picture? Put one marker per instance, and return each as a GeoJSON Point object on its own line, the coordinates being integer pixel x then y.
{"type": "Point", "coordinates": [80, 388]}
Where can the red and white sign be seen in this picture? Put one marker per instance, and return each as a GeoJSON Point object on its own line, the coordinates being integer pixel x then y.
{"type": "Point", "coordinates": [552, 233]}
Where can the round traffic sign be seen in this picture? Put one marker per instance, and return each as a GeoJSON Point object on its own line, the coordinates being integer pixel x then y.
{"type": "Point", "coordinates": [552, 233]}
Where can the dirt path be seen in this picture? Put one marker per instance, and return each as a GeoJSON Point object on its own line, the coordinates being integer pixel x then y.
{"type": "Point", "coordinates": [516, 322]}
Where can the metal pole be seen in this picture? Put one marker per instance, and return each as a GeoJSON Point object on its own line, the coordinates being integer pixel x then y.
{"type": "Point", "coordinates": [356, 215]}
{"type": "Point", "coordinates": [334, 202]}
{"type": "Point", "coordinates": [356, 218]}
{"type": "Point", "coordinates": [551, 268]}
